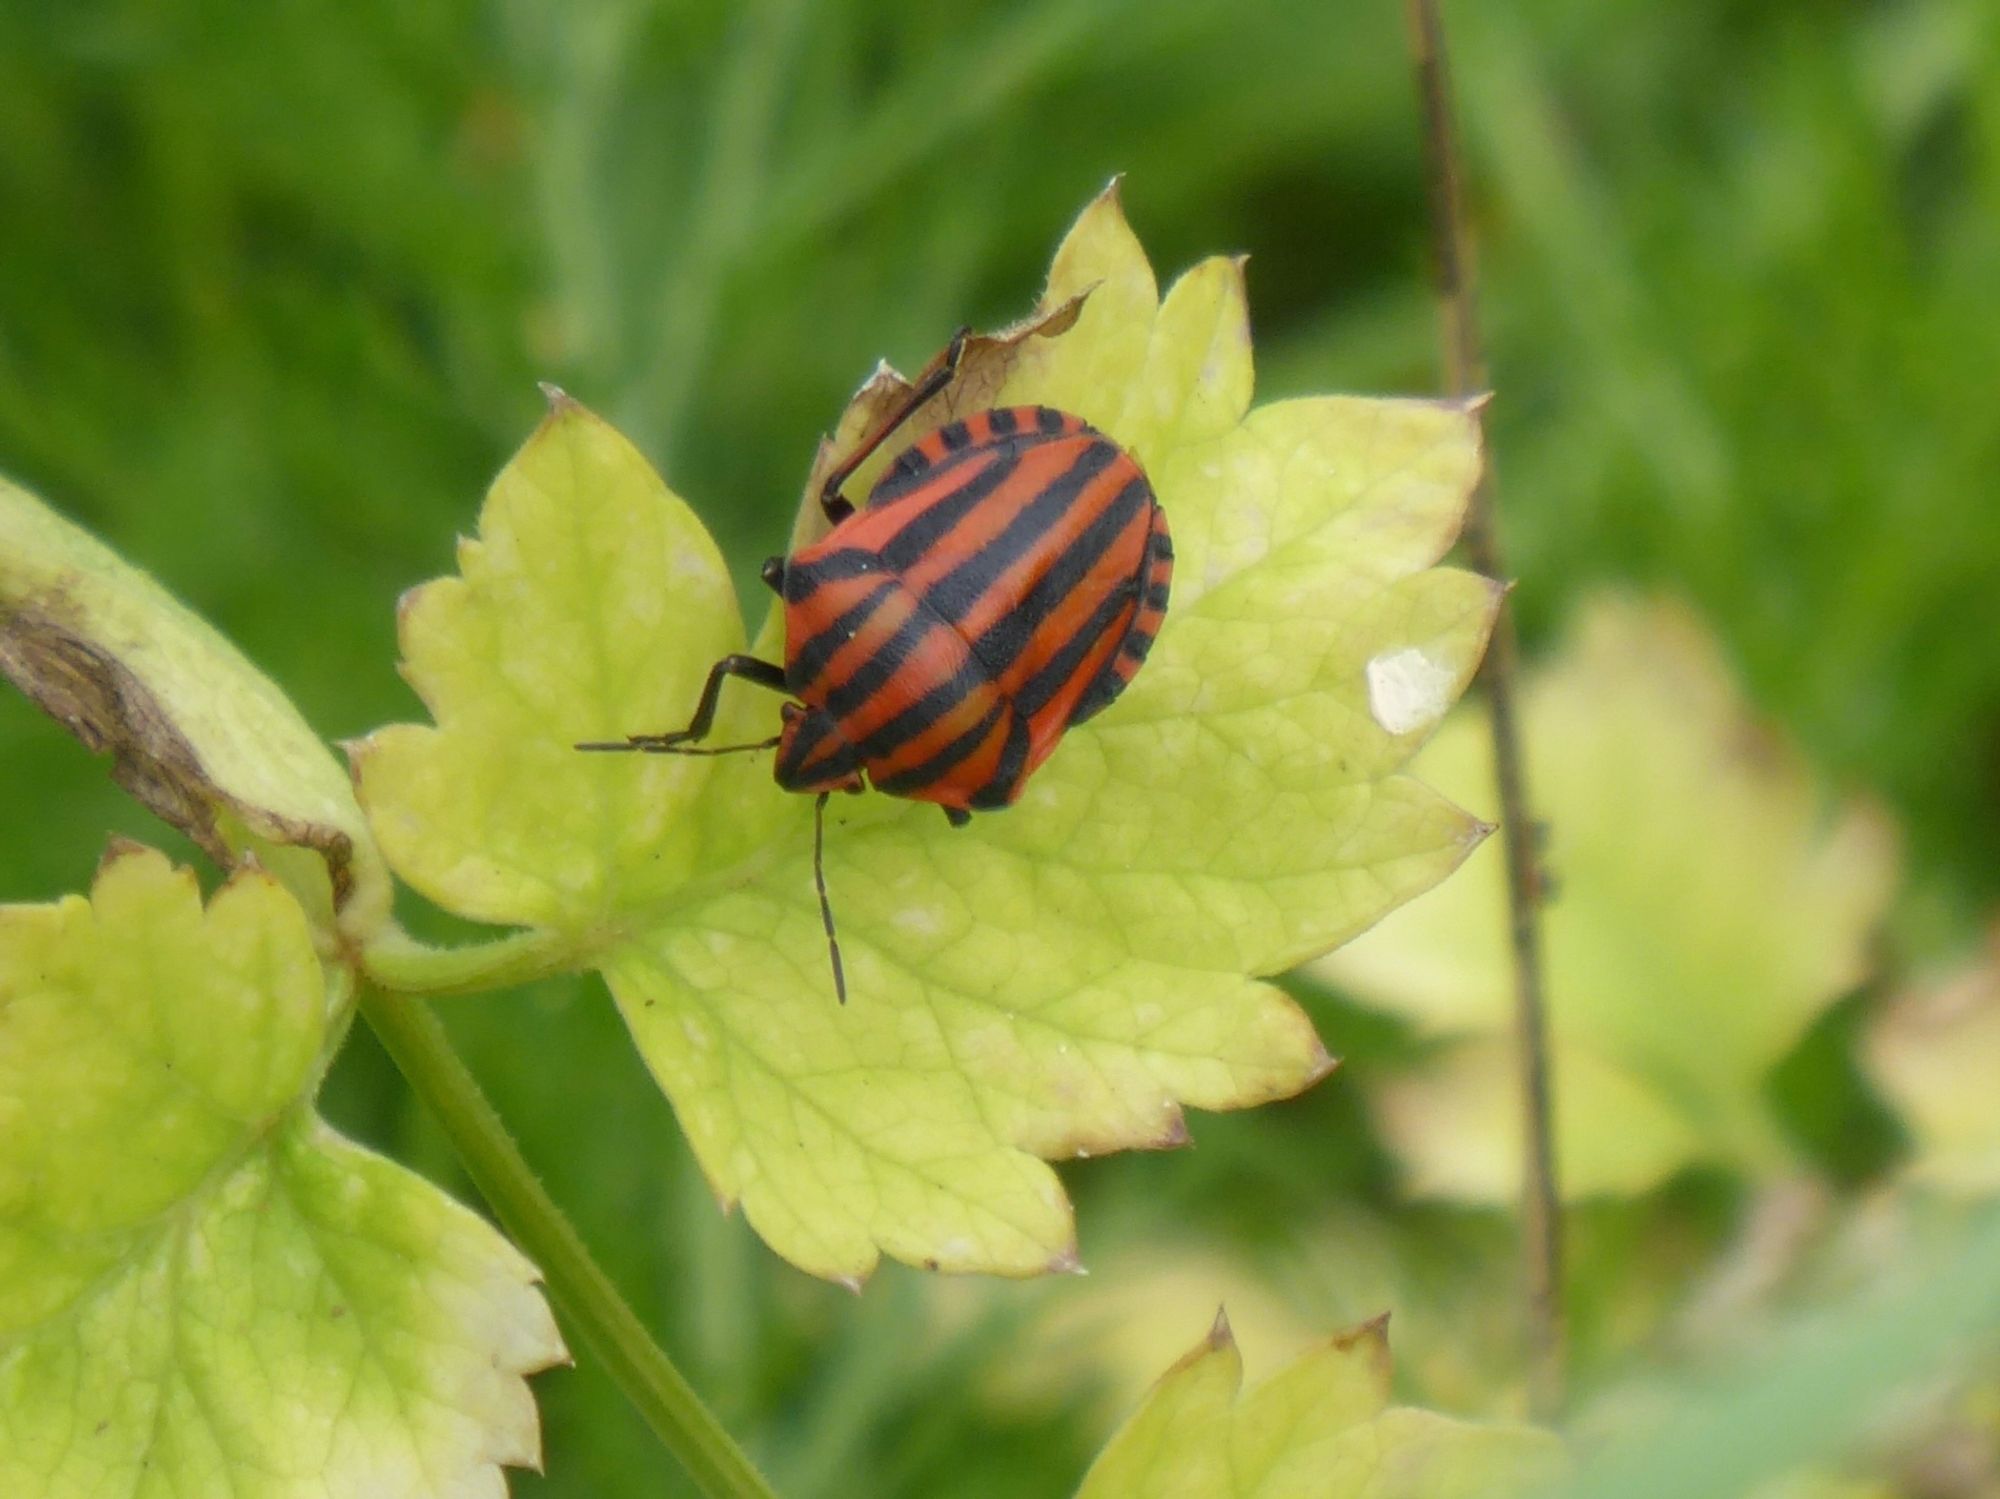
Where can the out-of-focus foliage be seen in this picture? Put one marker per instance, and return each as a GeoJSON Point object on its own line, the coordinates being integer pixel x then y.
{"type": "Point", "coordinates": [1707, 905]}
{"type": "Point", "coordinates": [1833, 1377]}
{"type": "Point", "coordinates": [1935, 1053]}
{"type": "Point", "coordinates": [1324, 1428]}
{"type": "Point", "coordinates": [274, 291]}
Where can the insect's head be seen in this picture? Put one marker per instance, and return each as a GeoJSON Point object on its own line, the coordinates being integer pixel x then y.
{"type": "Point", "coordinates": [813, 755]}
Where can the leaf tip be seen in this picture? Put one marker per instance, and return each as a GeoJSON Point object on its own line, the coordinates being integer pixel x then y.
{"type": "Point", "coordinates": [354, 751]}
{"type": "Point", "coordinates": [407, 603]}
{"type": "Point", "coordinates": [852, 1284]}
{"type": "Point", "coordinates": [1323, 1062]}
{"type": "Point", "coordinates": [1369, 1342]}
{"type": "Point", "coordinates": [117, 849]}
{"type": "Point", "coordinates": [560, 401]}
{"type": "Point", "coordinates": [247, 869]}
{"type": "Point", "coordinates": [1374, 1330]}
{"type": "Point", "coordinates": [1220, 1334]}
{"type": "Point", "coordinates": [1173, 1133]}
{"type": "Point", "coordinates": [1066, 1261]}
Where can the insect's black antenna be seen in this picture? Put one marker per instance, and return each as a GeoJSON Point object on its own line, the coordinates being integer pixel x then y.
{"type": "Point", "coordinates": [826, 906]}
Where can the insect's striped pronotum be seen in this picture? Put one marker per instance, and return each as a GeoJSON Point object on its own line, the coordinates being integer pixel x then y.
{"type": "Point", "coordinates": [1003, 581]}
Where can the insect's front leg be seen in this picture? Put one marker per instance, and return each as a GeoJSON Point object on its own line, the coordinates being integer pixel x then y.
{"type": "Point", "coordinates": [763, 673]}
{"type": "Point", "coordinates": [835, 506]}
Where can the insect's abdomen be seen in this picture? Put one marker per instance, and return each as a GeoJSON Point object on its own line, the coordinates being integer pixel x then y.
{"type": "Point", "coordinates": [1003, 582]}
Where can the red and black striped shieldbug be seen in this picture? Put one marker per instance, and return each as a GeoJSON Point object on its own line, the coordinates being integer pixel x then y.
{"type": "Point", "coordinates": [1002, 581]}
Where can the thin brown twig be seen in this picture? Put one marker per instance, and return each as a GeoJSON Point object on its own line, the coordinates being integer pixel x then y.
{"type": "Point", "coordinates": [1465, 375]}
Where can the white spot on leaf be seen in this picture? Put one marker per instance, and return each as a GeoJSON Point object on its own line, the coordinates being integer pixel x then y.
{"type": "Point", "coordinates": [920, 921]}
{"type": "Point", "coordinates": [1407, 690]}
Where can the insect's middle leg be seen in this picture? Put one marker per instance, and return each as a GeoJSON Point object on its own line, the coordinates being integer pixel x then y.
{"type": "Point", "coordinates": [749, 668]}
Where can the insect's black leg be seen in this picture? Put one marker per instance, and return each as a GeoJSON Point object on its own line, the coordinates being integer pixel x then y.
{"type": "Point", "coordinates": [944, 371]}
{"type": "Point", "coordinates": [656, 744]}
{"type": "Point", "coordinates": [826, 906]}
{"type": "Point", "coordinates": [763, 673]}
{"type": "Point", "coordinates": [773, 574]}
{"type": "Point", "coordinates": [958, 817]}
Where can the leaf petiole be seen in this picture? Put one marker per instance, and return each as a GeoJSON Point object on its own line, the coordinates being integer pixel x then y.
{"type": "Point", "coordinates": [399, 963]}
{"type": "Point", "coordinates": [589, 1303]}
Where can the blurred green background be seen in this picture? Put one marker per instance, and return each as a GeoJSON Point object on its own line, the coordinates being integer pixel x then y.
{"type": "Point", "coordinates": [276, 285]}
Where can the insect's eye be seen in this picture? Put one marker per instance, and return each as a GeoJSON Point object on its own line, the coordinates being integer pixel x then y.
{"type": "Point", "coordinates": [773, 574]}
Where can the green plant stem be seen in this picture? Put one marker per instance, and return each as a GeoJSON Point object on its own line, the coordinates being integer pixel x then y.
{"type": "Point", "coordinates": [403, 965]}
{"type": "Point", "coordinates": [582, 1293]}
{"type": "Point", "coordinates": [1465, 376]}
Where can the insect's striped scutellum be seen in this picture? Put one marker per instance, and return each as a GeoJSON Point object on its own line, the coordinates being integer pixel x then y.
{"type": "Point", "coordinates": [1003, 582]}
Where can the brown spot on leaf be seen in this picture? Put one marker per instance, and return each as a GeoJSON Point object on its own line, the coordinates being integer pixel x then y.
{"type": "Point", "coordinates": [90, 692]}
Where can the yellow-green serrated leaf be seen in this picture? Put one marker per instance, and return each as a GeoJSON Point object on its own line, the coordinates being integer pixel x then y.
{"type": "Point", "coordinates": [1057, 979]}
{"type": "Point", "coordinates": [1935, 1054]}
{"type": "Point", "coordinates": [147, 1042]}
{"type": "Point", "coordinates": [195, 731]}
{"type": "Point", "coordinates": [202, 1289]}
{"type": "Point", "coordinates": [1097, 369]}
{"type": "Point", "coordinates": [1097, 1345]}
{"type": "Point", "coordinates": [1707, 908]}
{"type": "Point", "coordinates": [590, 605]}
{"type": "Point", "coordinates": [1322, 1429]}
